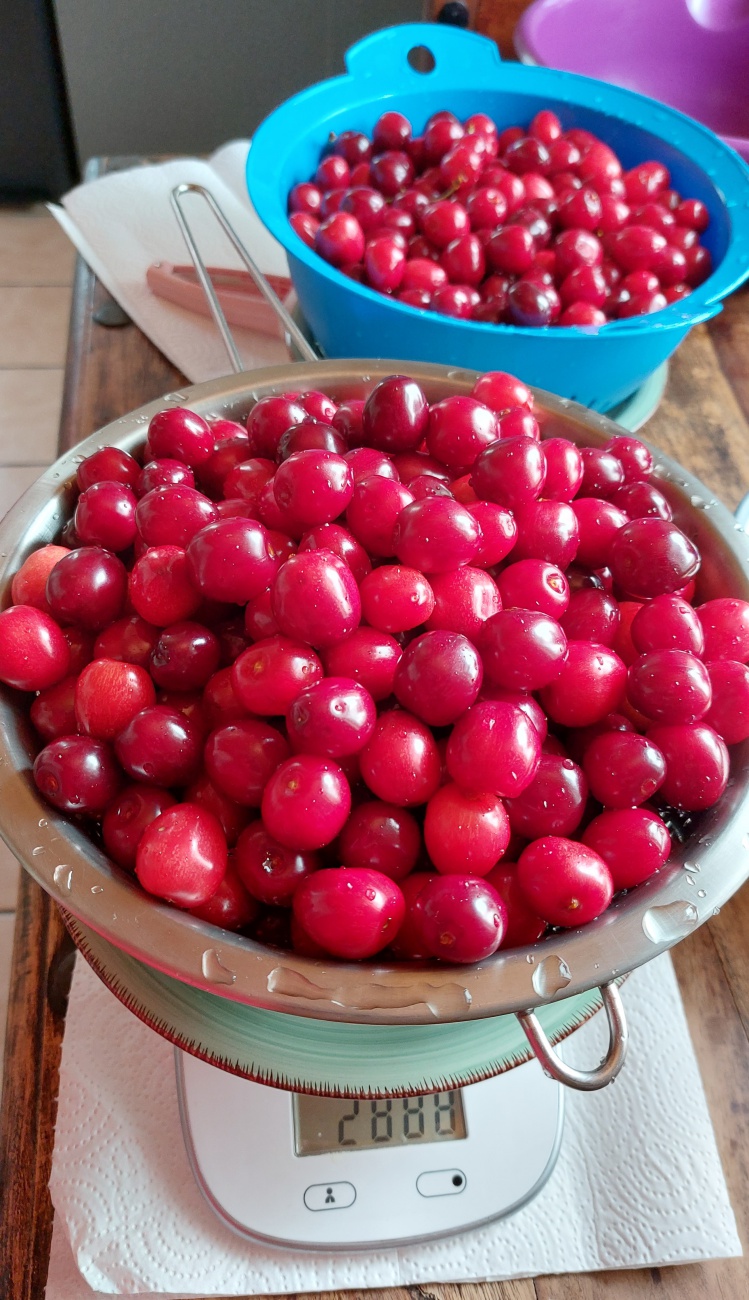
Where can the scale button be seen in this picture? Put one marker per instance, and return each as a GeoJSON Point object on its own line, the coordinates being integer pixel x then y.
{"type": "Point", "coordinates": [329, 1196]}
{"type": "Point", "coordinates": [441, 1182]}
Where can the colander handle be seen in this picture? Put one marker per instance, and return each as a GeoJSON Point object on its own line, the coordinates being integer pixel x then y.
{"type": "Point", "coordinates": [582, 1080]}
{"type": "Point", "coordinates": [292, 329]}
{"type": "Point", "coordinates": [456, 56]}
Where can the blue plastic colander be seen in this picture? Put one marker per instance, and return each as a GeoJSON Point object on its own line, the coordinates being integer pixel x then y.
{"type": "Point", "coordinates": [598, 367]}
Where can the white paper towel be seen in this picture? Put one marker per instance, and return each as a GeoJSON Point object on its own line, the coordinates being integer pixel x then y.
{"type": "Point", "coordinates": [638, 1181]}
{"type": "Point", "coordinates": [123, 222]}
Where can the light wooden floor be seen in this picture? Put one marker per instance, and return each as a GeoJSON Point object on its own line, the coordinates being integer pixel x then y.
{"type": "Point", "coordinates": [36, 271]}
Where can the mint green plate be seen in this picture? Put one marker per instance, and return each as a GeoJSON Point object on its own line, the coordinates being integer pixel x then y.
{"type": "Point", "coordinates": [322, 1056]}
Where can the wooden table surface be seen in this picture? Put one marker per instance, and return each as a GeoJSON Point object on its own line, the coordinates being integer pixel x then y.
{"type": "Point", "coordinates": [703, 421]}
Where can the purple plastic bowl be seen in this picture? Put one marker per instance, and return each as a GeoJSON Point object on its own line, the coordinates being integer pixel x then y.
{"type": "Point", "coordinates": [691, 54]}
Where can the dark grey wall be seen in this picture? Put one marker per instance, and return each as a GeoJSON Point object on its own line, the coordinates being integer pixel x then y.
{"type": "Point", "coordinates": [183, 76]}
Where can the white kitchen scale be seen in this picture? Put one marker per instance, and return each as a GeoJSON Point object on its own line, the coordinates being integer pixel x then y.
{"type": "Point", "coordinates": [333, 1173]}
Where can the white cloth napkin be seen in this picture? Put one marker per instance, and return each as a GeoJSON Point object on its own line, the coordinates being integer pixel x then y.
{"type": "Point", "coordinates": [124, 221]}
{"type": "Point", "coordinates": [638, 1182]}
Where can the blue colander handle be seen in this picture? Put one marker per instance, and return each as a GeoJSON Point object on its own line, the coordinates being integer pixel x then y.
{"type": "Point", "coordinates": [459, 56]}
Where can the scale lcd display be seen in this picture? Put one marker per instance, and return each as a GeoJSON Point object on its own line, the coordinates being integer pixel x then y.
{"type": "Point", "coordinates": [326, 1124]}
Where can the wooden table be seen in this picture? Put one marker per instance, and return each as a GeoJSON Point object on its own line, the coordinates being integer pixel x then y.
{"type": "Point", "coordinates": [703, 422]}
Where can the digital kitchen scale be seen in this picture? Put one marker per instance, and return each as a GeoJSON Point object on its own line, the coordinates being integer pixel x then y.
{"type": "Point", "coordinates": [338, 1173]}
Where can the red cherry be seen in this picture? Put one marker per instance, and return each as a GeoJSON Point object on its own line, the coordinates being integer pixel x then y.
{"type": "Point", "coordinates": [315, 486]}
{"type": "Point", "coordinates": [241, 756]}
{"type": "Point", "coordinates": [697, 764]}
{"type": "Point", "coordinates": [231, 907]}
{"type": "Point", "coordinates": [306, 802]}
{"type": "Point", "coordinates": [534, 584]}
{"type": "Point", "coordinates": [220, 701]}
{"type": "Point", "coordinates": [391, 131]}
{"type": "Point", "coordinates": [459, 918]}
{"type": "Point", "coordinates": [693, 214]}
{"type": "Point", "coordinates": [184, 657]}
{"type": "Point", "coordinates": [553, 803]}
{"type": "Point", "coordinates": [370, 657]}
{"type": "Point", "coordinates": [532, 306]}
{"type": "Point", "coordinates": [459, 428]}
{"type": "Point", "coordinates": [645, 180]}
{"type": "Point", "coordinates": [160, 746]}
{"type": "Point", "coordinates": [581, 210]}
{"type": "Point", "coordinates": [566, 883]}
{"type": "Point", "coordinates": [511, 472]}
{"type": "Point", "coordinates": [34, 654]}
{"type": "Point", "coordinates": [29, 585]}
{"type": "Point", "coordinates": [160, 588]}
{"type": "Point", "coordinates": [511, 249]}
{"type": "Point", "coordinates": [232, 817]}
{"type": "Point", "coordinates": [373, 511]}
{"type": "Point", "coordinates": [315, 598]}
{"type": "Point", "coordinates": [178, 434]}
{"type": "Point", "coordinates": [522, 649]}
{"type": "Point", "coordinates": [87, 587]}
{"type": "Point", "coordinates": [494, 746]}
{"type": "Point", "coordinates": [340, 239]}
{"type": "Point", "coordinates": [385, 263]}
{"type": "Point", "coordinates": [269, 675]}
{"type": "Point", "coordinates": [333, 718]}
{"type": "Point", "coordinates": [669, 686]}
{"type": "Point", "coordinates": [182, 855]}
{"type": "Point", "coordinates": [465, 832]}
{"type": "Point", "coordinates": [128, 816]}
{"type": "Point", "coordinates": [352, 912]}
{"type": "Point", "coordinates": [353, 146]}
{"type": "Point", "coordinates": [335, 538]}
{"type": "Point", "coordinates": [52, 713]}
{"type": "Point", "coordinates": [592, 615]}
{"type": "Point", "coordinates": [382, 837]}
{"type": "Point", "coordinates": [502, 392]}
{"type": "Point", "coordinates": [306, 198]}
{"type": "Point", "coordinates": [438, 677]}
{"type": "Point", "coordinates": [268, 870]}
{"type": "Point", "coordinates": [725, 627]}
{"type": "Point", "coordinates": [729, 712]}
{"type": "Point", "coordinates": [108, 695]}
{"type": "Point", "coordinates": [589, 685]}
{"type": "Point", "coordinates": [463, 600]}
{"type": "Point", "coordinates": [498, 533]}
{"type": "Point", "coordinates": [598, 523]}
{"type": "Point", "coordinates": [640, 499]}
{"type": "Point", "coordinates": [109, 464]}
{"type": "Point", "coordinates": [523, 925]}
{"type": "Point", "coordinates": [464, 260]}
{"type": "Point", "coordinates": [547, 530]}
{"type": "Point", "coordinates": [457, 300]}
{"type": "Point", "coordinates": [623, 769]}
{"type": "Point", "coordinates": [633, 843]}
{"type": "Point", "coordinates": [435, 535]}
{"type": "Point", "coordinates": [78, 775]}
{"type": "Point", "coordinates": [401, 762]}
{"type": "Point", "coordinates": [444, 221]}
{"type": "Point", "coordinates": [365, 462]}
{"type": "Point", "coordinates": [105, 516]}
{"type": "Point", "coordinates": [650, 557]}
{"type": "Point", "coordinates": [395, 415]}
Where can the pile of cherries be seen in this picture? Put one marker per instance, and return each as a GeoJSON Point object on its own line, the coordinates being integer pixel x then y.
{"type": "Point", "coordinates": [529, 227]}
{"type": "Point", "coordinates": [377, 673]}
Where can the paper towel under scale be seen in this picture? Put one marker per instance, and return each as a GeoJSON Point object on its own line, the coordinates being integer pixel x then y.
{"type": "Point", "coordinates": [326, 1172]}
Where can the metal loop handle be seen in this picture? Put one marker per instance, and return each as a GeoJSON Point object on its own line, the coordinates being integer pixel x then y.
{"type": "Point", "coordinates": [293, 331]}
{"type": "Point", "coordinates": [582, 1080]}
